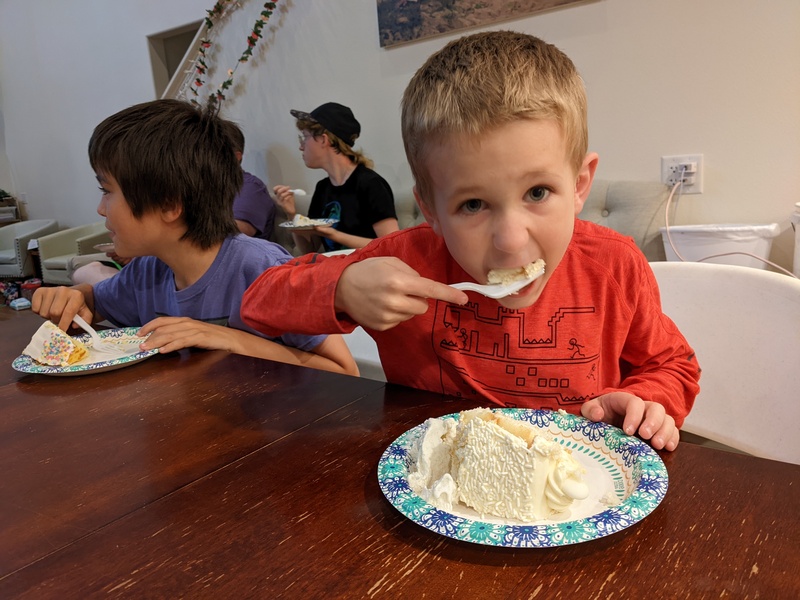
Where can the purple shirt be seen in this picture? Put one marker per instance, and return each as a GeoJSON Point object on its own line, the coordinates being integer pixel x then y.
{"type": "Point", "coordinates": [254, 205]}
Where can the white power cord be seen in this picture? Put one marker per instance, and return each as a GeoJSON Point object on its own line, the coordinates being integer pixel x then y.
{"type": "Point", "coordinates": [679, 186]}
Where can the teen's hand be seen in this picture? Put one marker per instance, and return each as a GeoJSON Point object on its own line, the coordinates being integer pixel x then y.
{"type": "Point", "coordinates": [634, 415]}
{"type": "Point", "coordinates": [326, 231]}
{"type": "Point", "coordinates": [60, 305]}
{"type": "Point", "coordinates": [168, 334]}
{"type": "Point", "coordinates": [284, 197]}
{"type": "Point", "coordinates": [382, 292]}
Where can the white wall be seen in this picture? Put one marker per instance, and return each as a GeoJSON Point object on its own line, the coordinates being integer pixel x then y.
{"type": "Point", "coordinates": [64, 67]}
{"type": "Point", "coordinates": [718, 77]}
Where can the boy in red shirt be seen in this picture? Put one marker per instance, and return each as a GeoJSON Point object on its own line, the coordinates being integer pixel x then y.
{"type": "Point", "coordinates": [495, 132]}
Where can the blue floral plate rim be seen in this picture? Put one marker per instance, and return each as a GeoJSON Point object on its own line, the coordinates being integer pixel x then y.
{"type": "Point", "coordinates": [123, 336]}
{"type": "Point", "coordinates": [640, 482]}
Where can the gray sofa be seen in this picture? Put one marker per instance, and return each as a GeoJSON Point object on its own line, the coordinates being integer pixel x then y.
{"type": "Point", "coordinates": [57, 250]}
{"type": "Point", "coordinates": [634, 208]}
{"type": "Point", "coordinates": [15, 258]}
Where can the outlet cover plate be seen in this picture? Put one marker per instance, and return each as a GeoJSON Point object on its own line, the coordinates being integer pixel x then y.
{"type": "Point", "coordinates": [671, 170]}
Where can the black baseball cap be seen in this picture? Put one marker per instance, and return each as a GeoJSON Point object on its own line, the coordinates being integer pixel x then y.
{"type": "Point", "coordinates": [336, 118]}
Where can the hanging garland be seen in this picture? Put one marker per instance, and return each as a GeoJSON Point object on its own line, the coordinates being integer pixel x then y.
{"type": "Point", "coordinates": [220, 10]}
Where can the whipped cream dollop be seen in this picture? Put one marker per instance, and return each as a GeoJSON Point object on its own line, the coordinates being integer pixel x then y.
{"type": "Point", "coordinates": [431, 479]}
{"type": "Point", "coordinates": [495, 465]}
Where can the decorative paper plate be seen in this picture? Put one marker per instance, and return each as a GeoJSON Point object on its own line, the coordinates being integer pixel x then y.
{"type": "Point", "coordinates": [107, 247]}
{"type": "Point", "coordinates": [309, 224]}
{"type": "Point", "coordinates": [125, 339]}
{"type": "Point", "coordinates": [627, 481]}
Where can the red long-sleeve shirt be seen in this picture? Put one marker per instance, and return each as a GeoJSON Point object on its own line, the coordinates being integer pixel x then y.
{"type": "Point", "coordinates": [597, 326]}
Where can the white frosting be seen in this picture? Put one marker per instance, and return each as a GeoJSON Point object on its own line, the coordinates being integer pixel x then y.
{"type": "Point", "coordinates": [493, 470]}
{"type": "Point", "coordinates": [432, 457]}
{"type": "Point", "coordinates": [609, 499]}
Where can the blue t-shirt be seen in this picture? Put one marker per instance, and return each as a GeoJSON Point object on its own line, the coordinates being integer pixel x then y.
{"type": "Point", "coordinates": [145, 289]}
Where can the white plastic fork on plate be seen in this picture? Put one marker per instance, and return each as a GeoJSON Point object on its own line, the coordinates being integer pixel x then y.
{"type": "Point", "coordinates": [498, 290]}
{"type": "Point", "coordinates": [97, 342]}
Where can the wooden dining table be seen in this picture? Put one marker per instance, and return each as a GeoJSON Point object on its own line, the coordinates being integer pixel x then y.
{"type": "Point", "coordinates": [202, 474]}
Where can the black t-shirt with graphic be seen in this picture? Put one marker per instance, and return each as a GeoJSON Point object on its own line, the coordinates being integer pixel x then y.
{"type": "Point", "coordinates": [360, 202]}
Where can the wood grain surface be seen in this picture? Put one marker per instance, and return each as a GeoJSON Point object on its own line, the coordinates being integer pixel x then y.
{"type": "Point", "coordinates": [206, 475]}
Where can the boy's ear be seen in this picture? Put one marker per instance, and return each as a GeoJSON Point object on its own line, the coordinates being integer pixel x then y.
{"type": "Point", "coordinates": [426, 211]}
{"type": "Point", "coordinates": [172, 213]}
{"type": "Point", "coordinates": [583, 184]}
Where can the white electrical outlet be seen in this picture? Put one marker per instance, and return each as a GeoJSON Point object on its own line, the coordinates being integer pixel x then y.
{"type": "Point", "coordinates": [673, 166]}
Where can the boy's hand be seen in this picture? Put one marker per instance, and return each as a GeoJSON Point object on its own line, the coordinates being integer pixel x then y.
{"type": "Point", "coordinates": [120, 260]}
{"type": "Point", "coordinates": [382, 292]}
{"type": "Point", "coordinates": [168, 334]}
{"type": "Point", "coordinates": [634, 415]}
{"type": "Point", "coordinates": [60, 305]}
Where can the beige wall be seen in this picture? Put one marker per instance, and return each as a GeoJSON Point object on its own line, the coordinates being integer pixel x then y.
{"type": "Point", "coordinates": [717, 77]}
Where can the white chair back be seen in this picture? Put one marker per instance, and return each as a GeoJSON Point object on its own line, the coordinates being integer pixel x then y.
{"type": "Point", "coordinates": [365, 352]}
{"type": "Point", "coordinates": [744, 325]}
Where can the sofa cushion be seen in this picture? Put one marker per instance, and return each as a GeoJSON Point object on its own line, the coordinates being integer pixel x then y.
{"type": "Point", "coordinates": [408, 213]}
{"type": "Point", "coordinates": [57, 262]}
{"type": "Point", "coordinates": [633, 208]}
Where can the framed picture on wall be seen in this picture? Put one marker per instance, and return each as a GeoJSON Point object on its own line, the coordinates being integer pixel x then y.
{"type": "Point", "coordinates": [401, 21]}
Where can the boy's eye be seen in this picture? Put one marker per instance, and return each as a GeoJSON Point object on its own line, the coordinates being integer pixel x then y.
{"type": "Point", "coordinates": [538, 194]}
{"type": "Point", "coordinates": [471, 206]}
{"type": "Point", "coordinates": [104, 190]}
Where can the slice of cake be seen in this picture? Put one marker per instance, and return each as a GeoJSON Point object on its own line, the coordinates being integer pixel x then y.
{"type": "Point", "coordinates": [506, 276]}
{"type": "Point", "coordinates": [51, 346]}
{"type": "Point", "coordinates": [302, 221]}
{"type": "Point", "coordinates": [498, 466]}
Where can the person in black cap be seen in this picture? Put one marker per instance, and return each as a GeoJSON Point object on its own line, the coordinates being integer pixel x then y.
{"type": "Point", "coordinates": [359, 199]}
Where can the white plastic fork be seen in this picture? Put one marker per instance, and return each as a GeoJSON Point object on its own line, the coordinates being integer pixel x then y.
{"type": "Point", "coordinates": [498, 290]}
{"type": "Point", "coordinates": [97, 342]}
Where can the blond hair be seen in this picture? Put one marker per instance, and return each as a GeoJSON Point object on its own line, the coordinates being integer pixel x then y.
{"type": "Point", "coordinates": [488, 79]}
{"type": "Point", "coordinates": [315, 129]}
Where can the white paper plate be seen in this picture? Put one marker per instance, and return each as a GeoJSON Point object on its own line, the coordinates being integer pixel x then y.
{"type": "Point", "coordinates": [619, 467]}
{"type": "Point", "coordinates": [129, 354]}
{"type": "Point", "coordinates": [309, 226]}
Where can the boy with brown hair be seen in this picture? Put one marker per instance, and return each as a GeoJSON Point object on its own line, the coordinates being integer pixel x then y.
{"type": "Point", "coordinates": [168, 174]}
{"type": "Point", "coordinates": [495, 131]}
